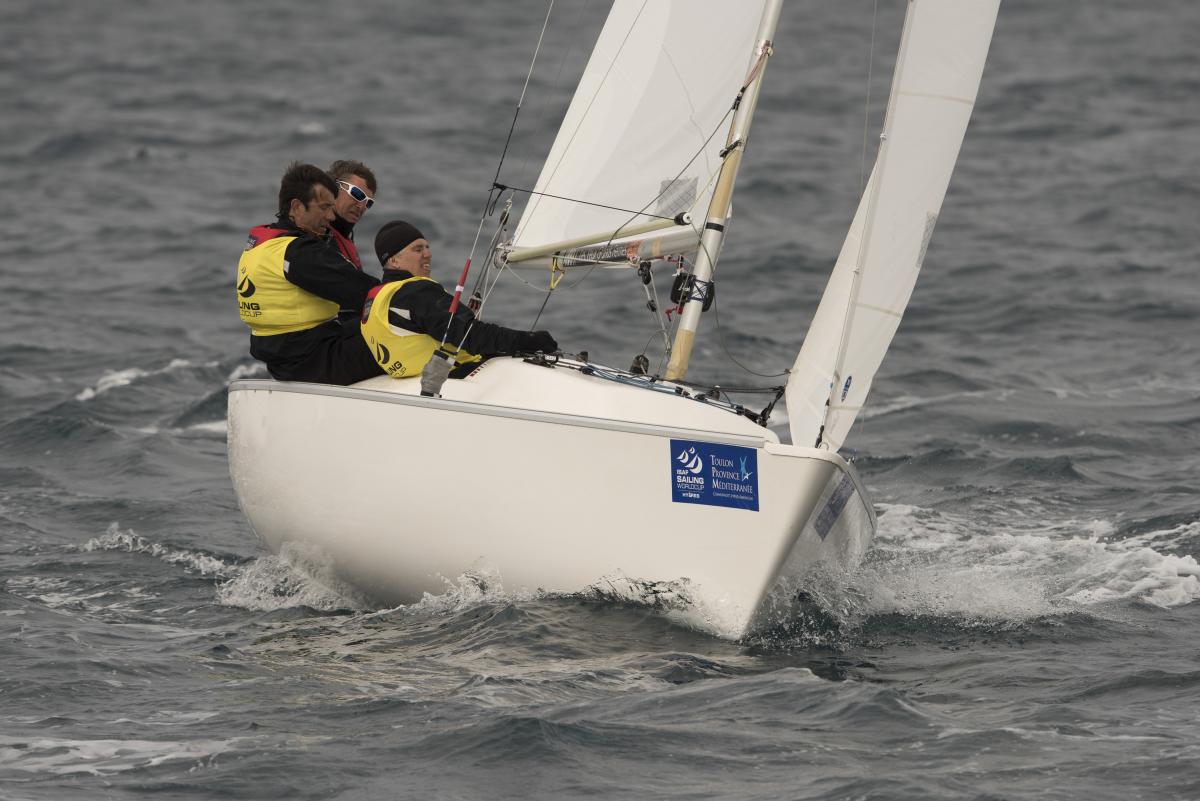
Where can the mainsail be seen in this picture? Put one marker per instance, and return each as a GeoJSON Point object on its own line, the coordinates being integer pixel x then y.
{"type": "Point", "coordinates": [942, 52]}
{"type": "Point", "coordinates": [648, 121]}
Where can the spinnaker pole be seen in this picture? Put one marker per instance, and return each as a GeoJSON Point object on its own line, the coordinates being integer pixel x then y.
{"type": "Point", "coordinates": [718, 208]}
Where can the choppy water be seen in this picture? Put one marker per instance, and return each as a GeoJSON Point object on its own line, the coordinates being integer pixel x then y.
{"type": "Point", "coordinates": [1025, 628]}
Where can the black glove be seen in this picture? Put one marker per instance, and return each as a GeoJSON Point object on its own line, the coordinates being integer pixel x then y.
{"type": "Point", "coordinates": [531, 341]}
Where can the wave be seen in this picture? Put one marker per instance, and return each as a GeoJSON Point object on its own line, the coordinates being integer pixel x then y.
{"type": "Point", "coordinates": [114, 379]}
{"type": "Point", "coordinates": [298, 577]}
{"type": "Point", "coordinates": [39, 756]}
{"type": "Point", "coordinates": [207, 565]}
{"type": "Point", "coordinates": [121, 378]}
{"type": "Point", "coordinates": [927, 563]}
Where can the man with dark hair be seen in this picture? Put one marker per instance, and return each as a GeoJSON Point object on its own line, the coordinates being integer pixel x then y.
{"type": "Point", "coordinates": [291, 283]}
{"type": "Point", "coordinates": [355, 194]}
{"type": "Point", "coordinates": [406, 317]}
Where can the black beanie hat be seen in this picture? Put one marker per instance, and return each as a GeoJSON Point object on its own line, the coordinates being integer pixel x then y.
{"type": "Point", "coordinates": [394, 237]}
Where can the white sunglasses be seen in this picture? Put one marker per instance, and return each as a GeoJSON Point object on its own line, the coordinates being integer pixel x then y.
{"type": "Point", "coordinates": [357, 193]}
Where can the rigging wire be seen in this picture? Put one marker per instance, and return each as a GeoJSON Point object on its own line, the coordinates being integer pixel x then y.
{"type": "Point", "coordinates": [488, 206]}
{"type": "Point", "coordinates": [505, 188]}
{"type": "Point", "coordinates": [543, 108]}
{"type": "Point", "coordinates": [521, 100]}
{"type": "Point", "coordinates": [666, 187]}
{"type": "Point", "coordinates": [861, 417]}
{"type": "Point", "coordinates": [729, 355]}
{"type": "Point", "coordinates": [862, 167]}
{"type": "Point", "coordinates": [699, 152]}
{"type": "Point", "coordinates": [599, 86]}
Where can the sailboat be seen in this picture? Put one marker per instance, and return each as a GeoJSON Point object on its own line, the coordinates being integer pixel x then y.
{"type": "Point", "coordinates": [584, 477]}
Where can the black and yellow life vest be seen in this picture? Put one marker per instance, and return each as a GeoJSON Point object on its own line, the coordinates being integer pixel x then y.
{"type": "Point", "coordinates": [400, 351]}
{"type": "Point", "coordinates": [267, 301]}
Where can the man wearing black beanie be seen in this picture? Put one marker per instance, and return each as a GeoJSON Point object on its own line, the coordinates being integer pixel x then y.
{"type": "Point", "coordinates": [406, 318]}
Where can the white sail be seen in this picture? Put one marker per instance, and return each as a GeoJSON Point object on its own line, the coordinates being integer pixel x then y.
{"type": "Point", "coordinates": [654, 97]}
{"type": "Point", "coordinates": [942, 53]}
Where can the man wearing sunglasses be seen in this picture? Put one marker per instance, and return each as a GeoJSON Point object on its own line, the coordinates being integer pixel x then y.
{"type": "Point", "coordinates": [355, 194]}
{"type": "Point", "coordinates": [291, 284]}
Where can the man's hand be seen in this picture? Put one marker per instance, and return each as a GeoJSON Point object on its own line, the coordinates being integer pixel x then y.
{"type": "Point", "coordinates": [534, 341]}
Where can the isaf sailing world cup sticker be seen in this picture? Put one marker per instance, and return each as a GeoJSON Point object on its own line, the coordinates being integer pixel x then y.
{"type": "Point", "coordinates": [714, 475]}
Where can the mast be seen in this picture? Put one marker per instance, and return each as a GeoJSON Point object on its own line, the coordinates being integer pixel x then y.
{"type": "Point", "coordinates": [718, 207]}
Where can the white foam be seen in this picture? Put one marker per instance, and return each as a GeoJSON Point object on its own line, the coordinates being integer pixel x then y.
{"type": "Point", "coordinates": [115, 539]}
{"type": "Point", "coordinates": [469, 589]}
{"type": "Point", "coordinates": [120, 378]}
{"type": "Point", "coordinates": [933, 563]}
{"type": "Point", "coordinates": [217, 427]}
{"type": "Point", "coordinates": [905, 402]}
{"type": "Point", "coordinates": [253, 370]}
{"type": "Point", "coordinates": [102, 757]}
{"type": "Point", "coordinates": [220, 427]}
{"type": "Point", "coordinates": [298, 576]}
{"type": "Point", "coordinates": [1184, 534]}
{"type": "Point", "coordinates": [169, 717]}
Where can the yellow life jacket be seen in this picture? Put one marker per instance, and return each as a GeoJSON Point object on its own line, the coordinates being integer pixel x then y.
{"type": "Point", "coordinates": [267, 301]}
{"type": "Point", "coordinates": [401, 352]}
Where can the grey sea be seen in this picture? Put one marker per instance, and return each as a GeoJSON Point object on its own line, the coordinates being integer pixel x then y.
{"type": "Point", "coordinates": [1025, 627]}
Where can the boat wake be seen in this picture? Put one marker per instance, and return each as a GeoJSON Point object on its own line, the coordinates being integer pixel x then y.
{"type": "Point", "coordinates": [664, 596]}
{"type": "Point", "coordinates": [936, 564]}
{"type": "Point", "coordinates": [298, 577]}
{"type": "Point", "coordinates": [925, 565]}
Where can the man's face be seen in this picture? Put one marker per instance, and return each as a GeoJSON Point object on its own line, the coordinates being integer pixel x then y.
{"type": "Point", "coordinates": [417, 258]}
{"type": "Point", "coordinates": [315, 217]}
{"type": "Point", "coordinates": [347, 207]}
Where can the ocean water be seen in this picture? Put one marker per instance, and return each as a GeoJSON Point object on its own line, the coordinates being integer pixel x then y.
{"type": "Point", "coordinates": [1025, 627]}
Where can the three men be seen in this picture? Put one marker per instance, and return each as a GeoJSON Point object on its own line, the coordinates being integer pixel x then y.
{"type": "Point", "coordinates": [293, 280]}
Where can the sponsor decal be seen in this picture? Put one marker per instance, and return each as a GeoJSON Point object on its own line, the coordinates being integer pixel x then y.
{"type": "Point", "coordinates": [382, 354]}
{"type": "Point", "coordinates": [834, 506]}
{"type": "Point", "coordinates": [599, 253]}
{"type": "Point", "coordinates": [247, 308]}
{"type": "Point", "coordinates": [714, 475]}
{"type": "Point", "coordinates": [846, 386]}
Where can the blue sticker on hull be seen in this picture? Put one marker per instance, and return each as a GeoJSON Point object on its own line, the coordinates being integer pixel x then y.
{"type": "Point", "coordinates": [834, 506]}
{"type": "Point", "coordinates": [715, 475]}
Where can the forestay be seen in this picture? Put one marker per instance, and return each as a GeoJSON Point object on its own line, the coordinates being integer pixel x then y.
{"type": "Point", "coordinates": [652, 99]}
{"type": "Point", "coordinates": [942, 52]}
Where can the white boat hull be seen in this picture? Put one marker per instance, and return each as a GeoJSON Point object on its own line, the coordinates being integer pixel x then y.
{"type": "Point", "coordinates": [405, 492]}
